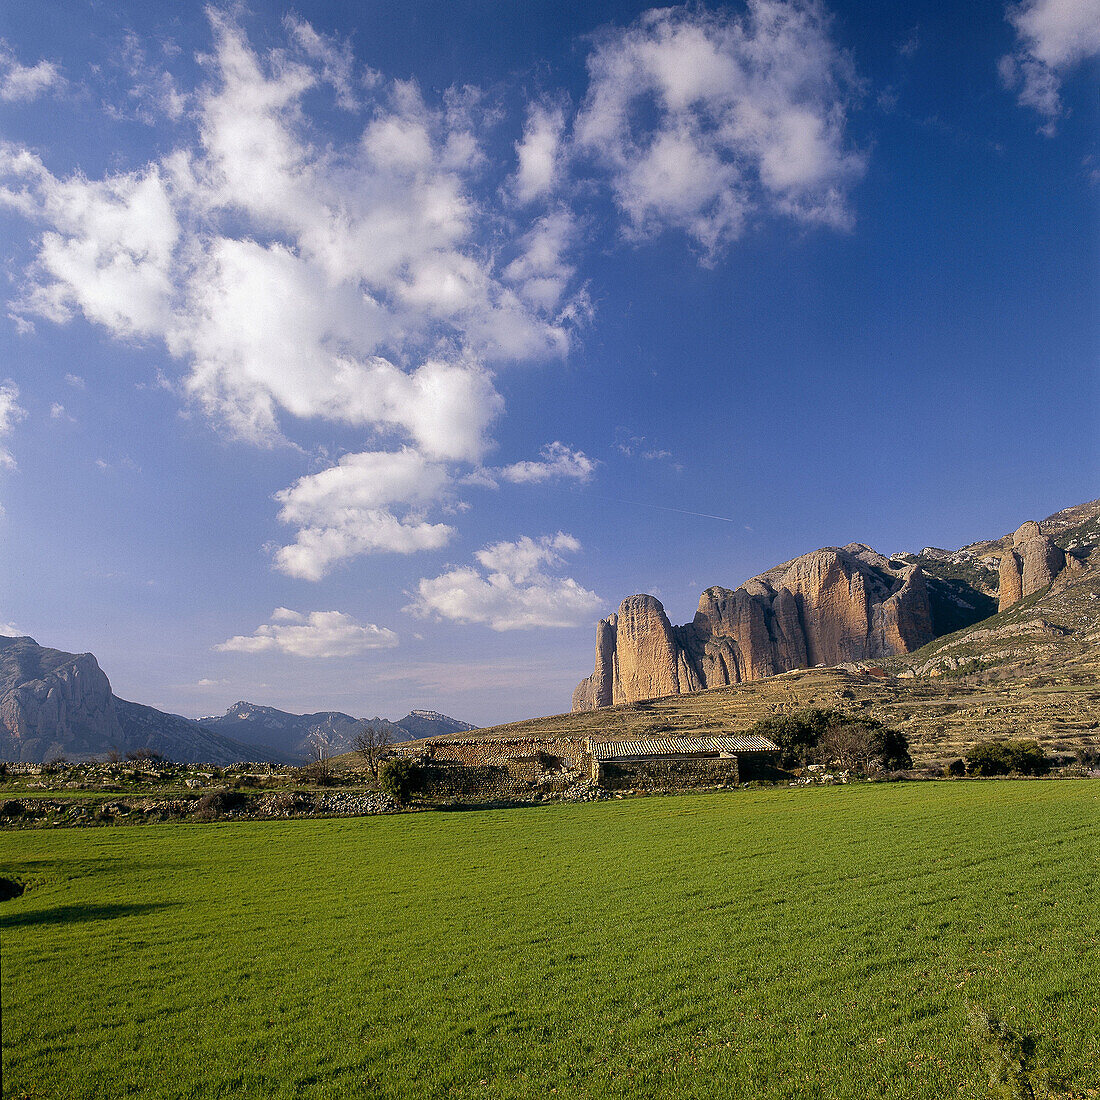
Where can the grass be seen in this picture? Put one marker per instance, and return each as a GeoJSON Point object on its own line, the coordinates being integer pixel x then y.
{"type": "Point", "coordinates": [819, 942]}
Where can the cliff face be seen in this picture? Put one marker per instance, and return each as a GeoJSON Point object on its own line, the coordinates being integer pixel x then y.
{"type": "Point", "coordinates": [52, 702]}
{"type": "Point", "coordinates": [1031, 563]}
{"type": "Point", "coordinates": [828, 607]}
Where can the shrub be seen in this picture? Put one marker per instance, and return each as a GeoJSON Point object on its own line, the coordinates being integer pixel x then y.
{"type": "Point", "coordinates": [214, 804]}
{"type": "Point", "coordinates": [1002, 757]}
{"type": "Point", "coordinates": [796, 734]}
{"type": "Point", "coordinates": [400, 778]}
{"type": "Point", "coordinates": [816, 735]}
{"type": "Point", "coordinates": [1007, 1055]}
{"type": "Point", "coordinates": [956, 768]}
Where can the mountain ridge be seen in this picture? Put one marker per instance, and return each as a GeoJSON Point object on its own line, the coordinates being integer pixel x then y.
{"type": "Point", "coordinates": [55, 703]}
{"type": "Point", "coordinates": [832, 606]}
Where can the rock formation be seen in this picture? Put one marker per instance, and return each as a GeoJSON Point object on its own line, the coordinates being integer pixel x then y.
{"type": "Point", "coordinates": [51, 701]}
{"type": "Point", "coordinates": [54, 703]}
{"type": "Point", "coordinates": [828, 607]}
{"type": "Point", "coordinates": [1031, 563]}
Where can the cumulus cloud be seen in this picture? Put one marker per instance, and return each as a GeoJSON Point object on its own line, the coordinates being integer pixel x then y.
{"type": "Point", "coordinates": [515, 592]}
{"type": "Point", "coordinates": [704, 118]}
{"type": "Point", "coordinates": [540, 154]}
{"type": "Point", "coordinates": [296, 276]}
{"type": "Point", "coordinates": [11, 412]}
{"type": "Point", "coordinates": [317, 634]}
{"type": "Point", "coordinates": [557, 461]}
{"type": "Point", "coordinates": [349, 509]}
{"type": "Point", "coordinates": [21, 83]}
{"type": "Point", "coordinates": [542, 271]}
{"type": "Point", "coordinates": [1053, 37]}
{"type": "Point", "coordinates": [293, 277]}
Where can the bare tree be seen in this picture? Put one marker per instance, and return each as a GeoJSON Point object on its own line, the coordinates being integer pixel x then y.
{"type": "Point", "coordinates": [320, 752]}
{"type": "Point", "coordinates": [373, 745]}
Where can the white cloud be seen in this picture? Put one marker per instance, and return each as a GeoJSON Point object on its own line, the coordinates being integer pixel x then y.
{"type": "Point", "coordinates": [349, 509]}
{"type": "Point", "coordinates": [704, 118]}
{"type": "Point", "coordinates": [109, 251]}
{"type": "Point", "coordinates": [540, 272]}
{"type": "Point", "coordinates": [335, 58]}
{"type": "Point", "coordinates": [632, 446]}
{"type": "Point", "coordinates": [11, 412]}
{"type": "Point", "coordinates": [75, 381]}
{"type": "Point", "coordinates": [557, 461]}
{"type": "Point", "coordinates": [1053, 36]}
{"type": "Point", "coordinates": [57, 412]}
{"type": "Point", "coordinates": [515, 593]}
{"type": "Point", "coordinates": [298, 276]}
{"type": "Point", "coordinates": [10, 630]}
{"type": "Point", "coordinates": [289, 276]}
{"type": "Point", "coordinates": [152, 93]}
{"type": "Point", "coordinates": [540, 153]}
{"type": "Point", "coordinates": [21, 83]}
{"type": "Point", "coordinates": [318, 634]}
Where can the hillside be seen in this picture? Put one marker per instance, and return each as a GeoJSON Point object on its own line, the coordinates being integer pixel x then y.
{"type": "Point", "coordinates": [942, 717]}
{"type": "Point", "coordinates": [54, 703]}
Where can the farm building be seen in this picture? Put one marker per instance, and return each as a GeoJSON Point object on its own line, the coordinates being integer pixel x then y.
{"type": "Point", "coordinates": [468, 764]}
{"type": "Point", "coordinates": [679, 761]}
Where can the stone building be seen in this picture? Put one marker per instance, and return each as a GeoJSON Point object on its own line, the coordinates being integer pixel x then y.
{"type": "Point", "coordinates": [506, 766]}
{"type": "Point", "coordinates": [680, 762]}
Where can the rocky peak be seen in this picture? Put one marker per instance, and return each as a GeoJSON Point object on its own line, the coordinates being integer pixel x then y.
{"type": "Point", "coordinates": [1033, 562]}
{"type": "Point", "coordinates": [826, 607]}
{"type": "Point", "coordinates": [53, 702]}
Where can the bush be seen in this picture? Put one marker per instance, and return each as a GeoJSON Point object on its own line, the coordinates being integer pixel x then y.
{"type": "Point", "coordinates": [214, 804]}
{"type": "Point", "coordinates": [956, 768]}
{"type": "Point", "coordinates": [400, 778]}
{"type": "Point", "coordinates": [1003, 757]}
{"type": "Point", "coordinates": [815, 735]}
{"type": "Point", "coordinates": [796, 734]}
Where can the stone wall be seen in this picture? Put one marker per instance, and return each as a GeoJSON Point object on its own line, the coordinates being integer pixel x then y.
{"type": "Point", "coordinates": [668, 773]}
{"type": "Point", "coordinates": [491, 782]}
{"type": "Point", "coordinates": [539, 755]}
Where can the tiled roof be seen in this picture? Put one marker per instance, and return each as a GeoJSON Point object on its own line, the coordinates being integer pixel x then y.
{"type": "Point", "coordinates": [681, 746]}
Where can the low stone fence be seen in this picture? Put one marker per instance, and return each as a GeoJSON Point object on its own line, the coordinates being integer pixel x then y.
{"type": "Point", "coordinates": [667, 773]}
{"type": "Point", "coordinates": [516, 781]}
{"type": "Point", "coordinates": [541, 755]}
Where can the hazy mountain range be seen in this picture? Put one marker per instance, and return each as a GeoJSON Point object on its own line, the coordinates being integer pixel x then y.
{"type": "Point", "coordinates": [54, 703]}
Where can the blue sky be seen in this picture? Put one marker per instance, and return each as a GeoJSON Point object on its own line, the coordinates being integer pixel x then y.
{"type": "Point", "coordinates": [361, 356]}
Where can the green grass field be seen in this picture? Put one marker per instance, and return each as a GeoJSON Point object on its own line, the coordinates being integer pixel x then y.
{"type": "Point", "coordinates": [786, 943]}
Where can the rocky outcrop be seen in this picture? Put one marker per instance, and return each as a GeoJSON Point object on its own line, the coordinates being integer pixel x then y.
{"type": "Point", "coordinates": [1030, 564]}
{"type": "Point", "coordinates": [829, 607]}
{"type": "Point", "coordinates": [52, 702]}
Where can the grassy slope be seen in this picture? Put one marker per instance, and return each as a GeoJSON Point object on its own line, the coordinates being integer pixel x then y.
{"type": "Point", "coordinates": [816, 942]}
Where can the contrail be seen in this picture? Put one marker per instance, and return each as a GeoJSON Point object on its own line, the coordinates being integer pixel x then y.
{"type": "Point", "coordinates": [667, 508]}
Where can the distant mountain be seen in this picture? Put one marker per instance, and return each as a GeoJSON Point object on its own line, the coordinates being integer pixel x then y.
{"type": "Point", "coordinates": [292, 733]}
{"type": "Point", "coordinates": [289, 733]}
{"type": "Point", "coordinates": [187, 741]}
{"type": "Point", "coordinates": [430, 723]}
{"type": "Point", "coordinates": [54, 703]}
